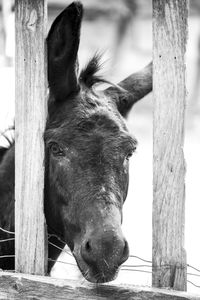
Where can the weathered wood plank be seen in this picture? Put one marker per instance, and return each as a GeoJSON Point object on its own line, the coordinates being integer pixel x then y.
{"type": "Point", "coordinates": [21, 287]}
{"type": "Point", "coordinates": [169, 45]}
{"type": "Point", "coordinates": [30, 119]}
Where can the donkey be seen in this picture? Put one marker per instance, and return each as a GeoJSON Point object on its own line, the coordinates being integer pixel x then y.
{"type": "Point", "coordinates": [87, 148]}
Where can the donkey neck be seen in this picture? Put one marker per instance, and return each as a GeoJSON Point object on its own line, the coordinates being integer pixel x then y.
{"type": "Point", "coordinates": [7, 170]}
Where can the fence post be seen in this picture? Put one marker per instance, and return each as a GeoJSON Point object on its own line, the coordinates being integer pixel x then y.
{"type": "Point", "coordinates": [169, 45]}
{"type": "Point", "coordinates": [30, 119]}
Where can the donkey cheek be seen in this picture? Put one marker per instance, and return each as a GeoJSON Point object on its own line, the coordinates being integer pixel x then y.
{"type": "Point", "coordinates": [70, 223]}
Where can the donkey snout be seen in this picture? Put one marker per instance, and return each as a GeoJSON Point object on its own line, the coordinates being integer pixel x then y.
{"type": "Point", "coordinates": [105, 252]}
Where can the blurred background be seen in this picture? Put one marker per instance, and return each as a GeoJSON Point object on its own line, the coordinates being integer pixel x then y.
{"type": "Point", "coordinates": [122, 31]}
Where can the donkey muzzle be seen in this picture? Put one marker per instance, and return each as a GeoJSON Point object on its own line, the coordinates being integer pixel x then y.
{"type": "Point", "coordinates": [103, 252]}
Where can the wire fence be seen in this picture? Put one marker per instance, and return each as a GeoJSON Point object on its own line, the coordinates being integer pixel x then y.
{"type": "Point", "coordinates": [125, 267]}
{"type": "Point", "coordinates": [7, 137]}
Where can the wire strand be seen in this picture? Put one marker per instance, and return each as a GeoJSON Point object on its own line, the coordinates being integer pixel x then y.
{"type": "Point", "coordinates": [137, 266]}
{"type": "Point", "coordinates": [62, 262]}
{"type": "Point", "coordinates": [62, 250]}
{"type": "Point", "coordinates": [56, 236]}
{"type": "Point", "coordinates": [192, 274]}
{"type": "Point", "coordinates": [135, 270]}
{"type": "Point", "coordinates": [7, 256]}
{"type": "Point", "coordinates": [198, 286]}
{"type": "Point", "coordinates": [6, 231]}
{"type": "Point", "coordinates": [6, 240]}
{"type": "Point", "coordinates": [127, 267]}
{"type": "Point", "coordinates": [135, 256]}
{"type": "Point", "coordinates": [193, 268]}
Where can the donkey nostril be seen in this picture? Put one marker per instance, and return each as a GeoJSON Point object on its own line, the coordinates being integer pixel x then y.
{"type": "Point", "coordinates": [125, 254]}
{"type": "Point", "coordinates": [87, 252]}
{"type": "Point", "coordinates": [88, 247]}
{"type": "Point", "coordinates": [112, 248]}
{"type": "Point", "coordinates": [126, 250]}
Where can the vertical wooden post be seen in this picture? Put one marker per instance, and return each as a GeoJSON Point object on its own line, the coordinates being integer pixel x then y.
{"type": "Point", "coordinates": [169, 45]}
{"type": "Point", "coordinates": [30, 119]}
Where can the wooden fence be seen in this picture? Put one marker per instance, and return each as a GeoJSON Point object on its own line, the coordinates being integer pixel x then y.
{"type": "Point", "coordinates": [23, 287]}
{"type": "Point", "coordinates": [30, 119]}
{"type": "Point", "coordinates": [169, 257]}
{"type": "Point", "coordinates": [169, 45]}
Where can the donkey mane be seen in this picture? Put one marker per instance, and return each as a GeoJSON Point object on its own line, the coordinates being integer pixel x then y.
{"type": "Point", "coordinates": [88, 76]}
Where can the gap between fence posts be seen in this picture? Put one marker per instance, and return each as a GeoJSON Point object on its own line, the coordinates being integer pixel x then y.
{"type": "Point", "coordinates": [30, 120]}
{"type": "Point", "coordinates": [169, 46]}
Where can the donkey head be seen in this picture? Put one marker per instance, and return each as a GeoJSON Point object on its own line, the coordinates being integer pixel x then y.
{"type": "Point", "coordinates": [88, 149]}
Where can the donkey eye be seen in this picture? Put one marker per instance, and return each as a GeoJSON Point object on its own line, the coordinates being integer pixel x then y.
{"type": "Point", "coordinates": [128, 156]}
{"type": "Point", "coordinates": [56, 149]}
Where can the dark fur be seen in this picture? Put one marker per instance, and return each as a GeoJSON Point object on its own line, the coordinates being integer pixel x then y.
{"type": "Point", "coordinates": [89, 75]}
{"type": "Point", "coordinates": [87, 149]}
{"type": "Point", "coordinates": [2, 152]}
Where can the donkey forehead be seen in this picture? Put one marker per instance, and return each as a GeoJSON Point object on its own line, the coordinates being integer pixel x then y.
{"type": "Point", "coordinates": [101, 120]}
{"type": "Point", "coordinates": [90, 112]}
{"type": "Point", "coordinates": [88, 127]}
{"type": "Point", "coordinates": [85, 113]}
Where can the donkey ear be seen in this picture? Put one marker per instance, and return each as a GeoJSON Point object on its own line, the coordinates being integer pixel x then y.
{"type": "Point", "coordinates": [131, 89]}
{"type": "Point", "coordinates": [62, 47]}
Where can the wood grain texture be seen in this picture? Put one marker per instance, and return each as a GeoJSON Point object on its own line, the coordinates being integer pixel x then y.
{"type": "Point", "coordinates": [30, 120]}
{"type": "Point", "coordinates": [23, 287]}
{"type": "Point", "coordinates": [169, 45]}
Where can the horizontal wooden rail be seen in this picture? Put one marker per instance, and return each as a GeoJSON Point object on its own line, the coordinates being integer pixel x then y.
{"type": "Point", "coordinates": [21, 286]}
